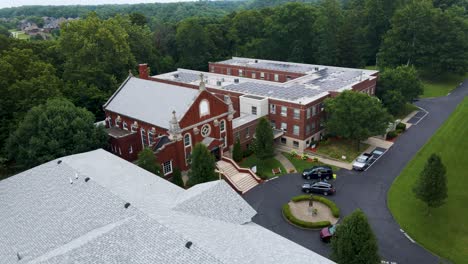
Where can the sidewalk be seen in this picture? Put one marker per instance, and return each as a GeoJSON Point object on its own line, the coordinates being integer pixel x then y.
{"type": "Point", "coordinates": [336, 163]}
{"type": "Point", "coordinates": [378, 142]}
{"type": "Point", "coordinates": [284, 161]}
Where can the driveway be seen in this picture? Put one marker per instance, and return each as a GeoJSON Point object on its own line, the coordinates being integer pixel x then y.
{"type": "Point", "coordinates": [366, 190]}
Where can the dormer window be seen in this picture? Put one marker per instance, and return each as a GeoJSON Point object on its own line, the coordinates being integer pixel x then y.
{"type": "Point", "coordinates": [125, 126]}
{"type": "Point", "coordinates": [204, 108]}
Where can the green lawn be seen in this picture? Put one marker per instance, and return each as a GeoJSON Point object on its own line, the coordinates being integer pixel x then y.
{"type": "Point", "coordinates": [301, 165]}
{"type": "Point", "coordinates": [442, 86]}
{"type": "Point", "coordinates": [264, 170]}
{"type": "Point", "coordinates": [335, 148]}
{"type": "Point", "coordinates": [445, 232]}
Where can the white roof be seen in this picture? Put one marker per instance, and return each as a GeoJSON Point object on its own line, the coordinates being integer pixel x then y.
{"type": "Point", "coordinates": [50, 214]}
{"type": "Point", "coordinates": [151, 102]}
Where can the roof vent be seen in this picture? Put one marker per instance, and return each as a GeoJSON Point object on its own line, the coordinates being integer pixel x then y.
{"type": "Point", "coordinates": [176, 75]}
{"type": "Point", "coordinates": [316, 68]}
{"type": "Point", "coordinates": [256, 61]}
{"type": "Point", "coordinates": [76, 175]}
{"type": "Point", "coordinates": [127, 205]}
{"type": "Point", "coordinates": [86, 179]}
{"type": "Point", "coordinates": [59, 161]}
{"type": "Point", "coordinates": [18, 256]}
{"type": "Point", "coordinates": [218, 83]}
{"type": "Point", "coordinates": [236, 80]}
{"type": "Point", "coordinates": [188, 244]}
{"type": "Point", "coordinates": [71, 181]}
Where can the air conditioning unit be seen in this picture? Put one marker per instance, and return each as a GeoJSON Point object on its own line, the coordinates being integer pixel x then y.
{"type": "Point", "coordinates": [218, 83]}
{"type": "Point", "coordinates": [236, 80]}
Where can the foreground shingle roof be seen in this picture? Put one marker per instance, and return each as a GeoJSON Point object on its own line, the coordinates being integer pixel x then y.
{"type": "Point", "coordinates": [51, 214]}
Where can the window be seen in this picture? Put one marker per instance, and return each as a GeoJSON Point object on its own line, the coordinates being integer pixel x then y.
{"type": "Point", "coordinates": [308, 112]}
{"type": "Point", "coordinates": [241, 73]}
{"type": "Point", "coordinates": [144, 139]}
{"type": "Point", "coordinates": [204, 108]}
{"type": "Point", "coordinates": [109, 121]}
{"type": "Point", "coordinates": [247, 132]}
{"type": "Point", "coordinates": [237, 135]}
{"type": "Point", "coordinates": [273, 124]}
{"type": "Point", "coordinates": [307, 129]}
{"type": "Point", "coordinates": [254, 75]}
{"type": "Point", "coordinates": [125, 126]}
{"type": "Point", "coordinates": [296, 130]}
{"type": "Point", "coordinates": [272, 109]}
{"type": "Point", "coordinates": [188, 157]}
{"type": "Point", "coordinates": [288, 78]}
{"type": "Point", "coordinates": [134, 128]}
{"type": "Point", "coordinates": [284, 111]}
{"type": "Point", "coordinates": [222, 126]}
{"type": "Point", "coordinates": [283, 140]}
{"type": "Point", "coordinates": [187, 140]}
{"type": "Point", "coordinates": [314, 110]}
{"type": "Point", "coordinates": [205, 130]}
{"type": "Point", "coordinates": [151, 137]}
{"type": "Point", "coordinates": [167, 167]}
{"type": "Point", "coordinates": [228, 71]}
{"type": "Point", "coordinates": [297, 113]}
{"type": "Point", "coordinates": [284, 127]}
{"type": "Point", "coordinates": [254, 110]}
{"type": "Point", "coordinates": [130, 149]}
{"type": "Point", "coordinates": [295, 144]}
{"type": "Point", "coordinates": [276, 77]}
{"type": "Point", "coordinates": [212, 69]}
{"type": "Point", "coordinates": [224, 140]}
{"type": "Point", "coordinates": [262, 75]}
{"type": "Point", "coordinates": [117, 122]}
{"type": "Point", "coordinates": [313, 126]}
{"type": "Point", "coordinates": [120, 152]}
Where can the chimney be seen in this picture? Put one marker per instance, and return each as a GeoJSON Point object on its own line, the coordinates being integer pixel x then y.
{"type": "Point", "coordinates": [144, 71]}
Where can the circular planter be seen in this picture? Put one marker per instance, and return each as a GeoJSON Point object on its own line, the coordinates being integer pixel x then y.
{"type": "Point", "coordinates": [296, 212]}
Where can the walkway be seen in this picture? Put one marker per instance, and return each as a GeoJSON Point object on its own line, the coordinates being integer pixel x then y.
{"type": "Point", "coordinates": [288, 166]}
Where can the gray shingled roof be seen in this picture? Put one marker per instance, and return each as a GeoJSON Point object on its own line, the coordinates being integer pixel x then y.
{"type": "Point", "coordinates": [151, 102]}
{"type": "Point", "coordinates": [47, 219]}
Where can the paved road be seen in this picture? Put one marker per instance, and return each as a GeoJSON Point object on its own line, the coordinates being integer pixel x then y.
{"type": "Point", "coordinates": [366, 190]}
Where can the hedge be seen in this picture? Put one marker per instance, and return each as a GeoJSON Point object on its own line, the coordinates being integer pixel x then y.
{"type": "Point", "coordinates": [287, 213]}
{"type": "Point", "coordinates": [392, 134]}
{"type": "Point", "coordinates": [401, 126]}
{"type": "Point", "coordinates": [334, 209]}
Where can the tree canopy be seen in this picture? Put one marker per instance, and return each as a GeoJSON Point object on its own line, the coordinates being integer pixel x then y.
{"type": "Point", "coordinates": [202, 166]}
{"type": "Point", "coordinates": [431, 186]}
{"type": "Point", "coordinates": [147, 160]}
{"type": "Point", "coordinates": [264, 139]}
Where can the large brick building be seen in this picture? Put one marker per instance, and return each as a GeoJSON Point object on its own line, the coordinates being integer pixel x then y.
{"type": "Point", "coordinates": [236, 93]}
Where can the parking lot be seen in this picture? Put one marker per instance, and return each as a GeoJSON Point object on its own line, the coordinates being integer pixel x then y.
{"type": "Point", "coordinates": [421, 114]}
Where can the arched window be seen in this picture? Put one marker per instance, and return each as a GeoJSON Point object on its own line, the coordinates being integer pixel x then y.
{"type": "Point", "coordinates": [187, 140]}
{"type": "Point", "coordinates": [222, 126]}
{"type": "Point", "coordinates": [204, 108]}
{"type": "Point", "coordinates": [144, 138]}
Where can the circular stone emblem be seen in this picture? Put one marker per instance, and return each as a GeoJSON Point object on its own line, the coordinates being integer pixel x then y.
{"type": "Point", "coordinates": [205, 130]}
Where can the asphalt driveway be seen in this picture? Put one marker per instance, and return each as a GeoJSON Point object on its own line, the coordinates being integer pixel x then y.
{"type": "Point", "coordinates": [366, 190]}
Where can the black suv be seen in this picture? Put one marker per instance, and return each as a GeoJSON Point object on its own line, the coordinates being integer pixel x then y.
{"type": "Point", "coordinates": [324, 188]}
{"type": "Point", "coordinates": [318, 172]}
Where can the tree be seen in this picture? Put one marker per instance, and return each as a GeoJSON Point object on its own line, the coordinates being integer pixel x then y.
{"type": "Point", "coordinates": [431, 186]}
{"type": "Point", "coordinates": [203, 166]}
{"type": "Point", "coordinates": [51, 130]}
{"type": "Point", "coordinates": [264, 140]}
{"type": "Point", "coordinates": [177, 178]}
{"type": "Point", "coordinates": [327, 27]}
{"type": "Point", "coordinates": [355, 116]}
{"type": "Point", "coordinates": [147, 160]}
{"type": "Point", "coordinates": [354, 242]}
{"type": "Point", "coordinates": [237, 151]}
{"type": "Point", "coordinates": [404, 79]}
{"type": "Point", "coordinates": [193, 44]}
{"type": "Point", "coordinates": [394, 102]}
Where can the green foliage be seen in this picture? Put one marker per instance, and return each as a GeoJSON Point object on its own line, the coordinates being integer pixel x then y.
{"type": "Point", "coordinates": [147, 160]}
{"type": "Point", "coordinates": [401, 126]}
{"type": "Point", "coordinates": [177, 178]}
{"type": "Point", "coordinates": [237, 151]}
{"type": "Point", "coordinates": [354, 242]}
{"type": "Point", "coordinates": [394, 102]}
{"type": "Point", "coordinates": [391, 135]}
{"type": "Point", "coordinates": [52, 130]}
{"type": "Point", "coordinates": [291, 218]}
{"type": "Point", "coordinates": [404, 79]}
{"type": "Point", "coordinates": [431, 186]}
{"type": "Point", "coordinates": [202, 167]}
{"type": "Point", "coordinates": [330, 204]}
{"type": "Point", "coordinates": [355, 116]}
{"type": "Point", "coordinates": [264, 145]}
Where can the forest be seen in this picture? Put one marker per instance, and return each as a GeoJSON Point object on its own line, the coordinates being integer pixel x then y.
{"type": "Point", "coordinates": [94, 54]}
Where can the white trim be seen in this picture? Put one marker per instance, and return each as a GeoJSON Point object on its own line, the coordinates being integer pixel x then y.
{"type": "Point", "coordinates": [224, 125]}
{"type": "Point", "coordinates": [190, 140]}
{"type": "Point", "coordinates": [203, 103]}
{"type": "Point", "coordinates": [163, 168]}
{"type": "Point", "coordinates": [125, 126]}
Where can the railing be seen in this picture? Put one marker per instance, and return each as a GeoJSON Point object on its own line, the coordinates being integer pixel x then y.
{"type": "Point", "coordinates": [229, 181]}
{"type": "Point", "coordinates": [240, 169]}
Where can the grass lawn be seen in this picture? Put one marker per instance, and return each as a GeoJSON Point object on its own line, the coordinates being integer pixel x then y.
{"type": "Point", "coordinates": [445, 231]}
{"type": "Point", "coordinates": [301, 165]}
{"type": "Point", "coordinates": [264, 170]}
{"type": "Point", "coordinates": [335, 148]}
{"type": "Point", "coordinates": [443, 86]}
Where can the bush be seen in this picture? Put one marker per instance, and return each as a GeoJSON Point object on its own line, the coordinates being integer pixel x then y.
{"type": "Point", "coordinates": [401, 126]}
{"type": "Point", "coordinates": [237, 154]}
{"type": "Point", "coordinates": [247, 152]}
{"type": "Point", "coordinates": [305, 157]}
{"type": "Point", "coordinates": [392, 134]}
{"type": "Point", "coordinates": [287, 213]}
{"type": "Point", "coordinates": [399, 131]}
{"type": "Point", "coordinates": [293, 153]}
{"type": "Point", "coordinates": [330, 204]}
{"type": "Point", "coordinates": [316, 159]}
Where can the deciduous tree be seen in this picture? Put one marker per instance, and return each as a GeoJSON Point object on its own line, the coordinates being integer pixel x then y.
{"type": "Point", "coordinates": [177, 178]}
{"type": "Point", "coordinates": [147, 160]}
{"type": "Point", "coordinates": [404, 79]}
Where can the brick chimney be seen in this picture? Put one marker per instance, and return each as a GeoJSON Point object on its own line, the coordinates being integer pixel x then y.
{"type": "Point", "coordinates": [144, 71]}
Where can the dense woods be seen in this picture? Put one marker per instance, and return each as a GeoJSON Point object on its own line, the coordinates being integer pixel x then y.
{"type": "Point", "coordinates": [94, 54]}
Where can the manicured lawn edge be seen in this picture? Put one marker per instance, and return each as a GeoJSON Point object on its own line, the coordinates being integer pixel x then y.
{"type": "Point", "coordinates": [303, 224]}
{"type": "Point", "coordinates": [335, 210]}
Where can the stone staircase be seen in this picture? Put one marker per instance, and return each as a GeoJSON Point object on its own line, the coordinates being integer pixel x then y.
{"type": "Point", "coordinates": [241, 179]}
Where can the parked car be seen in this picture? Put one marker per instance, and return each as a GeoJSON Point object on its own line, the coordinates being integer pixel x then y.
{"type": "Point", "coordinates": [362, 162]}
{"type": "Point", "coordinates": [318, 172]}
{"type": "Point", "coordinates": [327, 233]}
{"type": "Point", "coordinates": [320, 187]}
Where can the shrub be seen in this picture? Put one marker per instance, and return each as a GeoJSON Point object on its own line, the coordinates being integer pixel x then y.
{"type": "Point", "coordinates": [247, 152]}
{"type": "Point", "coordinates": [399, 131]}
{"type": "Point", "coordinates": [237, 151]}
{"type": "Point", "coordinates": [316, 159]}
{"type": "Point", "coordinates": [305, 157]}
{"type": "Point", "coordinates": [392, 134]}
{"type": "Point", "coordinates": [401, 126]}
{"type": "Point", "coordinates": [287, 213]}
{"type": "Point", "coordinates": [293, 153]}
{"type": "Point", "coordinates": [330, 204]}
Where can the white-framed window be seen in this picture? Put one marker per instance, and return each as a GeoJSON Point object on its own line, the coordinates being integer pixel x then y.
{"type": "Point", "coordinates": [276, 77]}
{"type": "Point", "coordinates": [272, 109]}
{"type": "Point", "coordinates": [297, 113]}
{"type": "Point", "coordinates": [296, 130]}
{"type": "Point", "coordinates": [273, 124]}
{"type": "Point", "coordinates": [151, 137]}
{"type": "Point", "coordinates": [117, 122]}
{"type": "Point", "coordinates": [205, 130]}
{"type": "Point", "coordinates": [228, 71]}
{"type": "Point", "coordinates": [144, 138]}
{"type": "Point", "coordinates": [134, 128]}
{"type": "Point", "coordinates": [254, 75]}
{"type": "Point", "coordinates": [130, 149]}
{"type": "Point", "coordinates": [187, 140]}
{"type": "Point", "coordinates": [262, 75]}
{"type": "Point", "coordinates": [167, 167]}
{"type": "Point", "coordinates": [222, 126]}
{"type": "Point", "coordinates": [109, 121]}
{"type": "Point", "coordinates": [247, 132]}
{"type": "Point", "coordinates": [308, 112]}
{"type": "Point", "coordinates": [237, 135]}
{"type": "Point", "coordinates": [254, 110]}
{"type": "Point", "coordinates": [224, 140]}
{"type": "Point", "coordinates": [284, 126]}
{"type": "Point", "coordinates": [295, 144]}
{"type": "Point", "coordinates": [284, 111]}
{"type": "Point", "coordinates": [313, 126]}
{"type": "Point", "coordinates": [188, 157]}
{"type": "Point", "coordinates": [125, 126]}
{"type": "Point", "coordinates": [204, 108]}
{"type": "Point", "coordinates": [241, 73]}
{"type": "Point", "coordinates": [307, 129]}
{"type": "Point", "coordinates": [120, 152]}
{"type": "Point", "coordinates": [314, 110]}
